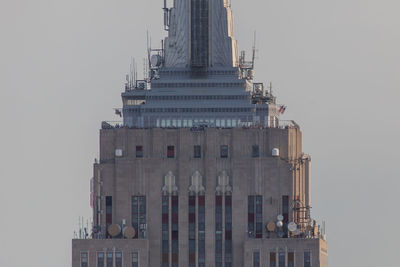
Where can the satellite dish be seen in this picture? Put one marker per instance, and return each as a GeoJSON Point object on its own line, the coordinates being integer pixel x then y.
{"type": "Point", "coordinates": [280, 217]}
{"type": "Point", "coordinates": [271, 226]}
{"type": "Point", "coordinates": [292, 226]}
{"type": "Point", "coordinates": [155, 60]}
{"type": "Point", "coordinates": [279, 224]}
{"type": "Point", "coordinates": [281, 234]}
{"type": "Point", "coordinates": [129, 232]}
{"type": "Point", "coordinates": [297, 232]}
{"type": "Point", "coordinates": [114, 230]}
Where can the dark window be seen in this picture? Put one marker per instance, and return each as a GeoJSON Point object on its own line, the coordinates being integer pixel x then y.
{"type": "Point", "coordinates": [175, 230]}
{"type": "Point", "coordinates": [224, 151]}
{"type": "Point", "coordinates": [255, 151]}
{"type": "Point", "coordinates": [258, 216]}
{"type": "Point", "coordinates": [110, 259]}
{"type": "Point", "coordinates": [135, 259]}
{"type": "Point", "coordinates": [290, 259]}
{"type": "Point", "coordinates": [84, 259]}
{"type": "Point", "coordinates": [272, 259]}
{"type": "Point", "coordinates": [307, 259]}
{"type": "Point", "coordinates": [192, 231]}
{"type": "Point", "coordinates": [218, 231]}
{"type": "Point", "coordinates": [139, 216]}
{"type": "Point", "coordinates": [139, 151]}
{"type": "Point", "coordinates": [118, 259]}
{"type": "Point", "coordinates": [100, 259]}
{"type": "Point", "coordinates": [201, 226]}
{"type": "Point", "coordinates": [228, 230]}
{"type": "Point", "coordinates": [282, 259]}
{"type": "Point", "coordinates": [250, 217]}
{"type": "Point", "coordinates": [165, 231]}
{"type": "Point", "coordinates": [197, 152]}
{"type": "Point", "coordinates": [256, 259]}
{"type": "Point", "coordinates": [108, 213]}
{"type": "Point", "coordinates": [171, 152]}
{"type": "Point", "coordinates": [285, 208]}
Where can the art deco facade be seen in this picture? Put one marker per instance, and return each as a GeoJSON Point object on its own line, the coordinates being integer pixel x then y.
{"type": "Point", "coordinates": [202, 171]}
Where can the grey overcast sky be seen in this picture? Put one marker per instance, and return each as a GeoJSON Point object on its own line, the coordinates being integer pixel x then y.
{"type": "Point", "coordinates": [335, 64]}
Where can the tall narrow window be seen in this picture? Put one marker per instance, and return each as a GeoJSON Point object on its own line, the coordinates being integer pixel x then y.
{"type": "Point", "coordinates": [255, 151]}
{"type": "Point", "coordinates": [285, 213]}
{"type": "Point", "coordinates": [100, 259]}
{"type": "Point", "coordinates": [110, 259]}
{"type": "Point", "coordinates": [192, 231]}
{"type": "Point", "coordinates": [218, 231]}
{"type": "Point", "coordinates": [142, 217]}
{"type": "Point", "coordinates": [197, 152]}
{"type": "Point", "coordinates": [165, 231]}
{"type": "Point", "coordinates": [84, 259]}
{"type": "Point", "coordinates": [108, 213]}
{"type": "Point", "coordinates": [201, 231]}
{"type": "Point", "coordinates": [282, 259]}
{"type": "Point", "coordinates": [170, 152]}
{"type": "Point", "coordinates": [307, 259]}
{"type": "Point", "coordinates": [228, 231]}
{"type": "Point", "coordinates": [118, 259]}
{"type": "Point", "coordinates": [250, 217]}
{"type": "Point", "coordinates": [258, 216]}
{"type": "Point", "coordinates": [175, 230]}
{"type": "Point", "coordinates": [272, 259]}
{"type": "Point", "coordinates": [224, 151]}
{"type": "Point", "coordinates": [256, 259]}
{"type": "Point", "coordinates": [290, 259]}
{"type": "Point", "coordinates": [139, 151]}
{"type": "Point", "coordinates": [135, 259]}
{"type": "Point", "coordinates": [139, 216]}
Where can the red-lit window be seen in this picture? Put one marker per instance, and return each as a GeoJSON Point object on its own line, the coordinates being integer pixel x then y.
{"type": "Point", "coordinates": [170, 152]}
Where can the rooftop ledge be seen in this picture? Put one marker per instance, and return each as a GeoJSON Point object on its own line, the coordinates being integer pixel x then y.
{"type": "Point", "coordinates": [282, 124]}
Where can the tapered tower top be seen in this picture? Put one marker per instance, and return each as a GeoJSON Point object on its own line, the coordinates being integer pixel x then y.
{"type": "Point", "coordinates": [200, 35]}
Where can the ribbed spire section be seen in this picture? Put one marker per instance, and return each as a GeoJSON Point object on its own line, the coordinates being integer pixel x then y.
{"type": "Point", "coordinates": [200, 35]}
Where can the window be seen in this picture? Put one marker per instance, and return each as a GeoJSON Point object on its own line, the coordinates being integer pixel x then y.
{"type": "Point", "coordinates": [256, 259]}
{"type": "Point", "coordinates": [139, 151]}
{"type": "Point", "coordinates": [118, 259]}
{"type": "Point", "coordinates": [165, 231]}
{"type": "Point", "coordinates": [135, 259]}
{"type": "Point", "coordinates": [139, 216]}
{"type": "Point", "coordinates": [100, 259]}
{"type": "Point", "coordinates": [285, 213]}
{"type": "Point", "coordinates": [192, 229]}
{"type": "Point", "coordinates": [197, 152]}
{"type": "Point", "coordinates": [108, 213]}
{"type": "Point", "coordinates": [218, 231]}
{"type": "Point", "coordinates": [258, 216]}
{"type": "Point", "coordinates": [228, 230]}
{"type": "Point", "coordinates": [224, 151]}
{"type": "Point", "coordinates": [175, 230]}
{"type": "Point", "coordinates": [254, 227]}
{"type": "Point", "coordinates": [110, 259]}
{"type": "Point", "coordinates": [290, 259]}
{"type": "Point", "coordinates": [201, 226]}
{"type": "Point", "coordinates": [84, 259]}
{"type": "Point", "coordinates": [255, 151]}
{"type": "Point", "coordinates": [272, 259]}
{"type": "Point", "coordinates": [307, 259]}
{"type": "Point", "coordinates": [170, 152]}
{"type": "Point", "coordinates": [282, 259]}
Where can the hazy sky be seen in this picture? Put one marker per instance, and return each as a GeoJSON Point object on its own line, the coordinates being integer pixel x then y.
{"type": "Point", "coordinates": [335, 64]}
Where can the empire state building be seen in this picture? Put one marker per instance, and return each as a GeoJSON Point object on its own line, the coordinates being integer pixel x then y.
{"type": "Point", "coordinates": [201, 172]}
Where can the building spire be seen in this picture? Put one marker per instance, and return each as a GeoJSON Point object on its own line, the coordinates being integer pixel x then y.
{"type": "Point", "coordinates": [200, 35]}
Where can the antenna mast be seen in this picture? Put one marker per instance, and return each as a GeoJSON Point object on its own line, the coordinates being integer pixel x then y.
{"type": "Point", "coordinates": [254, 51]}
